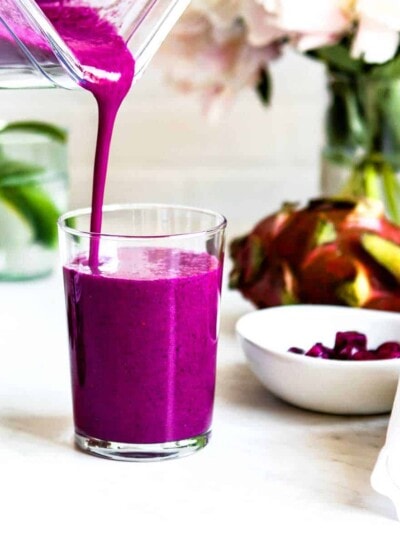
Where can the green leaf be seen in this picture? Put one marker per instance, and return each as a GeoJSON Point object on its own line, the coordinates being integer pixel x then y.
{"type": "Point", "coordinates": [37, 208]}
{"type": "Point", "coordinates": [389, 70]}
{"type": "Point", "coordinates": [388, 102]}
{"type": "Point", "coordinates": [344, 123]}
{"type": "Point", "coordinates": [53, 132]}
{"type": "Point", "coordinates": [264, 87]}
{"type": "Point", "coordinates": [345, 119]}
{"type": "Point", "coordinates": [391, 192]}
{"type": "Point", "coordinates": [371, 173]}
{"type": "Point", "coordinates": [16, 172]}
{"type": "Point", "coordinates": [338, 58]}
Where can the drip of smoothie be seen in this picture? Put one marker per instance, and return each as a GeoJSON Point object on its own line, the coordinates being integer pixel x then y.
{"type": "Point", "coordinates": [108, 74]}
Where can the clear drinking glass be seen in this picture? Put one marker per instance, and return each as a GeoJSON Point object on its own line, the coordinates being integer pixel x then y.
{"type": "Point", "coordinates": [143, 302]}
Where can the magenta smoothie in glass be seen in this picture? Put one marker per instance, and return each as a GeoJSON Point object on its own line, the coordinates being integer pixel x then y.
{"type": "Point", "coordinates": [142, 290]}
{"type": "Point", "coordinates": [143, 328]}
{"type": "Point", "coordinates": [143, 346]}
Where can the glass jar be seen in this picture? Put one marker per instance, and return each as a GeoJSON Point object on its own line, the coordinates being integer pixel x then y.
{"type": "Point", "coordinates": [33, 193]}
{"type": "Point", "coordinates": [362, 152]}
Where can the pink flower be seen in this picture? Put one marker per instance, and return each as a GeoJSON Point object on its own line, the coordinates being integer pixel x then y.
{"type": "Point", "coordinates": [308, 16]}
{"type": "Point", "coordinates": [213, 62]}
{"type": "Point", "coordinates": [221, 13]}
{"type": "Point", "coordinates": [377, 37]}
{"type": "Point", "coordinates": [220, 46]}
{"type": "Point", "coordinates": [310, 23]}
{"type": "Point", "coordinates": [261, 28]}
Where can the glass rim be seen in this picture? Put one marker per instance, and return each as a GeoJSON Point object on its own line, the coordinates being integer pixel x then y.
{"type": "Point", "coordinates": [221, 222]}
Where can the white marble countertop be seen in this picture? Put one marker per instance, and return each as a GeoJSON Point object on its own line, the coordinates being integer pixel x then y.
{"type": "Point", "coordinates": [270, 468]}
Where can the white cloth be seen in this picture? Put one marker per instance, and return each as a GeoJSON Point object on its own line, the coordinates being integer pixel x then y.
{"type": "Point", "coordinates": [385, 477]}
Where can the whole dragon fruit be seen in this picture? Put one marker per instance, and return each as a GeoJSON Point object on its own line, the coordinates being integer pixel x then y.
{"type": "Point", "coordinates": [332, 251]}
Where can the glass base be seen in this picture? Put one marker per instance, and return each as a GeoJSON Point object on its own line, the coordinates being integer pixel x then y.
{"type": "Point", "coordinates": [141, 452]}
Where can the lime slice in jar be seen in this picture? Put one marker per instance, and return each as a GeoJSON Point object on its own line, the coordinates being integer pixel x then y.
{"type": "Point", "coordinates": [37, 209]}
{"type": "Point", "coordinates": [51, 131]}
{"type": "Point", "coordinates": [15, 229]}
{"type": "Point", "coordinates": [21, 191]}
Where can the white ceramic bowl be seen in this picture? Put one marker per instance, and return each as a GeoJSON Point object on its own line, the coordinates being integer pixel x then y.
{"type": "Point", "coordinates": [329, 386]}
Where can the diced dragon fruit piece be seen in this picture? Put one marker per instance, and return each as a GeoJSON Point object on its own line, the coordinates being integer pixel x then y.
{"type": "Point", "coordinates": [364, 355]}
{"type": "Point", "coordinates": [389, 349]}
{"type": "Point", "coordinates": [351, 345]}
{"type": "Point", "coordinates": [296, 350]}
{"type": "Point", "coordinates": [319, 351]}
{"type": "Point", "coordinates": [346, 353]}
{"type": "Point", "coordinates": [352, 339]}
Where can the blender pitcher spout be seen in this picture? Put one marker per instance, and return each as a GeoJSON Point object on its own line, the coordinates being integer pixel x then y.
{"type": "Point", "coordinates": [33, 55]}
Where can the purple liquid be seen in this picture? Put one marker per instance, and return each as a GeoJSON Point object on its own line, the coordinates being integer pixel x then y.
{"type": "Point", "coordinates": [143, 338]}
{"type": "Point", "coordinates": [143, 345]}
{"type": "Point", "coordinates": [109, 70]}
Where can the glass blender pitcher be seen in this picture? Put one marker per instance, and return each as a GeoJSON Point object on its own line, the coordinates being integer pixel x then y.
{"type": "Point", "coordinates": [50, 62]}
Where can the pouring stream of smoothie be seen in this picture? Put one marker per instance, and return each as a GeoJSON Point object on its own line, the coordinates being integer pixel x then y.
{"type": "Point", "coordinates": [109, 69]}
{"type": "Point", "coordinates": [143, 335]}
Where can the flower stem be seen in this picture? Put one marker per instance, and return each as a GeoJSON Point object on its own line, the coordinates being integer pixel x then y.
{"type": "Point", "coordinates": [391, 192]}
{"type": "Point", "coordinates": [375, 178]}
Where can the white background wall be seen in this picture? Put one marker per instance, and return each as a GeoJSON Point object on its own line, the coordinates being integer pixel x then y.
{"type": "Point", "coordinates": [165, 151]}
